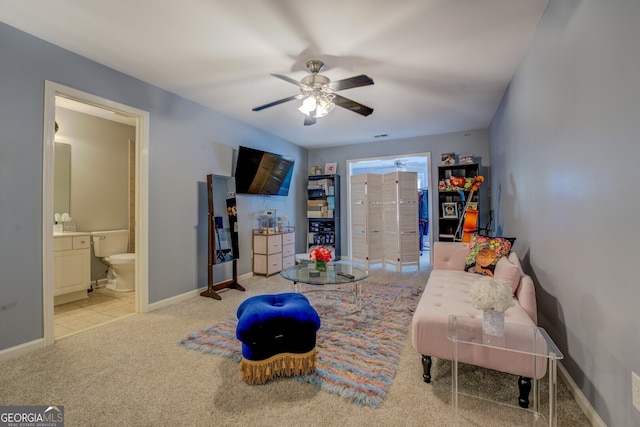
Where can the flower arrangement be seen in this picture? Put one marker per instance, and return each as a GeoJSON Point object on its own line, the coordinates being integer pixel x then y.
{"type": "Point", "coordinates": [491, 294]}
{"type": "Point", "coordinates": [320, 254]}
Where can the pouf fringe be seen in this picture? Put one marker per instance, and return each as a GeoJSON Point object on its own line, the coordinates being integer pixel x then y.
{"type": "Point", "coordinates": [280, 365]}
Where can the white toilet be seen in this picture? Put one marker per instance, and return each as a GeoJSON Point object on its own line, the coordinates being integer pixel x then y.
{"type": "Point", "coordinates": [111, 246]}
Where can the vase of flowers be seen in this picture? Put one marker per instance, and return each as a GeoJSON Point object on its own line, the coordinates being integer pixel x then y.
{"type": "Point", "coordinates": [321, 256]}
{"type": "Point", "coordinates": [493, 322]}
{"type": "Point", "coordinates": [321, 265]}
{"type": "Point", "coordinates": [493, 297]}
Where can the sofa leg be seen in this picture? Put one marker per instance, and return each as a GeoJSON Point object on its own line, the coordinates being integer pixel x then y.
{"type": "Point", "coordinates": [426, 367]}
{"type": "Point", "coordinates": [524, 384]}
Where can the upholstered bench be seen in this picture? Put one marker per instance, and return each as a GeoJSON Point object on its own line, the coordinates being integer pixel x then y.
{"type": "Point", "coordinates": [447, 293]}
{"type": "Point", "coordinates": [278, 335]}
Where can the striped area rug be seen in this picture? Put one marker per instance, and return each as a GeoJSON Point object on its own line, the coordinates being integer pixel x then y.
{"type": "Point", "coordinates": [358, 353]}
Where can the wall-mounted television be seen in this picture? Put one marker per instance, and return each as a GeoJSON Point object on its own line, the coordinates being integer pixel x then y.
{"type": "Point", "coordinates": [261, 172]}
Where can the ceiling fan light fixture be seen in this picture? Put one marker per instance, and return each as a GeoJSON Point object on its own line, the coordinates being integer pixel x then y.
{"type": "Point", "coordinates": [324, 107]}
{"type": "Point", "coordinates": [308, 105]}
{"type": "Point", "coordinates": [317, 93]}
{"type": "Point", "coordinates": [317, 103]}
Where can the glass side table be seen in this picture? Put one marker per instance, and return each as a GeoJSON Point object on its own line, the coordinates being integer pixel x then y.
{"type": "Point", "coordinates": [524, 341]}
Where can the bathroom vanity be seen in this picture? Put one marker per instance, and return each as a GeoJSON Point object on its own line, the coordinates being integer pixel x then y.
{"type": "Point", "coordinates": [71, 266]}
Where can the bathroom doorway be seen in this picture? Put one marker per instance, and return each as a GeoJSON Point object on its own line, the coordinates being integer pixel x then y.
{"type": "Point", "coordinates": [91, 106]}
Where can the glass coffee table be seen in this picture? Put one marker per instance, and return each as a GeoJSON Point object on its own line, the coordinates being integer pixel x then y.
{"type": "Point", "coordinates": [338, 273]}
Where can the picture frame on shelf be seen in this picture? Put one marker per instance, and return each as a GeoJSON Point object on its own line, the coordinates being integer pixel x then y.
{"type": "Point", "coordinates": [448, 159]}
{"type": "Point", "coordinates": [450, 210]}
{"type": "Point", "coordinates": [330, 168]}
{"type": "Point", "coordinates": [466, 159]}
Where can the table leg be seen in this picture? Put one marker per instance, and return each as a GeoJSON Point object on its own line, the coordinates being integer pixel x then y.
{"type": "Point", "coordinates": [454, 385]}
{"type": "Point", "coordinates": [553, 390]}
{"type": "Point", "coordinates": [536, 392]}
{"type": "Point", "coordinates": [359, 301]}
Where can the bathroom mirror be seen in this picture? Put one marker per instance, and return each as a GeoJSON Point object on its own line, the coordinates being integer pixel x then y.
{"type": "Point", "coordinates": [222, 230]}
{"type": "Point", "coordinates": [62, 178]}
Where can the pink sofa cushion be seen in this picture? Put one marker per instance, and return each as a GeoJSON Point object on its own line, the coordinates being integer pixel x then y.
{"type": "Point", "coordinates": [507, 272]}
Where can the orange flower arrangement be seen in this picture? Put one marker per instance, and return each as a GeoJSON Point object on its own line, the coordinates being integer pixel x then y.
{"type": "Point", "coordinates": [321, 256]}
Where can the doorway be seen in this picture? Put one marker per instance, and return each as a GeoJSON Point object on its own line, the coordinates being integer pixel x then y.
{"type": "Point", "coordinates": [108, 108]}
{"type": "Point", "coordinates": [417, 162]}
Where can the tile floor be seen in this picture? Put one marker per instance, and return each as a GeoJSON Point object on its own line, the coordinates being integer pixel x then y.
{"type": "Point", "coordinates": [102, 306]}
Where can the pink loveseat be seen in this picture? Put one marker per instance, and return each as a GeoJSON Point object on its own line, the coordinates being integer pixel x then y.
{"type": "Point", "coordinates": [446, 293]}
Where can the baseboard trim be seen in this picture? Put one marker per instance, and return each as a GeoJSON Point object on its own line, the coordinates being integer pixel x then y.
{"type": "Point", "coordinates": [580, 398]}
{"type": "Point", "coordinates": [178, 298]}
{"type": "Point", "coordinates": [21, 349]}
{"type": "Point", "coordinates": [245, 276]}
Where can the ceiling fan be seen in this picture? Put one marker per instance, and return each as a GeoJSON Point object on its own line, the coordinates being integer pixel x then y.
{"type": "Point", "coordinates": [400, 165]}
{"type": "Point", "coordinates": [319, 93]}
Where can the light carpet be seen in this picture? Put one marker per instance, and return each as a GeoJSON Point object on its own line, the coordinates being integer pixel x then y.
{"type": "Point", "coordinates": [131, 372]}
{"type": "Point", "coordinates": [358, 352]}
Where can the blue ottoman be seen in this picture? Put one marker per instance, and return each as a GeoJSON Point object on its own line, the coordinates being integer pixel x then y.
{"type": "Point", "coordinates": [278, 335]}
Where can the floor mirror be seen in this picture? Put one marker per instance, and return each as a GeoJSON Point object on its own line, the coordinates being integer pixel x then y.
{"type": "Point", "coordinates": [222, 233]}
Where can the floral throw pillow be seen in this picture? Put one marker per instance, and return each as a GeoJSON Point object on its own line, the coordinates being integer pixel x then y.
{"type": "Point", "coordinates": [485, 252]}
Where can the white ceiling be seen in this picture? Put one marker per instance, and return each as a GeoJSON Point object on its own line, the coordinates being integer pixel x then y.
{"type": "Point", "coordinates": [439, 66]}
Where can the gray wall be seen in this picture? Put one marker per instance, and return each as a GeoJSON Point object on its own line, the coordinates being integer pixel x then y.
{"type": "Point", "coordinates": [99, 173]}
{"type": "Point", "coordinates": [565, 151]}
{"type": "Point", "coordinates": [471, 142]}
{"type": "Point", "coordinates": [99, 169]}
{"type": "Point", "coordinates": [181, 152]}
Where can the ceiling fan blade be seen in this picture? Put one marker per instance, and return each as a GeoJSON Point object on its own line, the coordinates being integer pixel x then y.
{"type": "Point", "coordinates": [280, 101]}
{"type": "Point", "coordinates": [357, 81]}
{"type": "Point", "coordinates": [308, 121]}
{"type": "Point", "coordinates": [287, 79]}
{"type": "Point", "coordinates": [352, 105]}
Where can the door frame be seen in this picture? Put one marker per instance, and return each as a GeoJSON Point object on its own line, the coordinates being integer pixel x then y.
{"type": "Point", "coordinates": [141, 196]}
{"type": "Point", "coordinates": [429, 166]}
